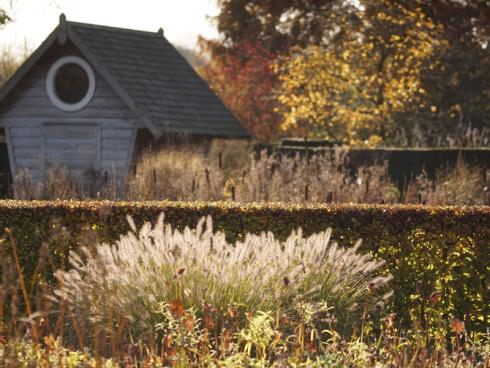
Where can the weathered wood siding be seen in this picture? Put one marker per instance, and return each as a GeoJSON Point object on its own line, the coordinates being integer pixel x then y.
{"type": "Point", "coordinates": [74, 146]}
{"type": "Point", "coordinates": [35, 127]}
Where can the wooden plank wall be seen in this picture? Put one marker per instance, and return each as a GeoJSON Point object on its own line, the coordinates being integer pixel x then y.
{"type": "Point", "coordinates": [72, 145]}
{"type": "Point", "coordinates": [27, 110]}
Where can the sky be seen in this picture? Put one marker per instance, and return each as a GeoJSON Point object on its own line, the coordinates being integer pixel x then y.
{"type": "Point", "coordinates": [181, 20]}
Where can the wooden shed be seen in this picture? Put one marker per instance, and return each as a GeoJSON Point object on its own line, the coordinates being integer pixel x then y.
{"type": "Point", "coordinates": [84, 96]}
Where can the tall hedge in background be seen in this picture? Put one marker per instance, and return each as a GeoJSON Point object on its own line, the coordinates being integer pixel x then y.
{"type": "Point", "coordinates": [428, 250]}
{"type": "Point", "coordinates": [404, 164]}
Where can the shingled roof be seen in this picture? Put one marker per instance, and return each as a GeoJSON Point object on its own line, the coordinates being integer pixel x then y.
{"type": "Point", "coordinates": [150, 75]}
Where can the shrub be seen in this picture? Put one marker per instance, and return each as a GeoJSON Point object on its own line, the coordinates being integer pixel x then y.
{"type": "Point", "coordinates": [198, 267]}
{"type": "Point", "coordinates": [426, 249]}
{"type": "Point", "coordinates": [305, 334]}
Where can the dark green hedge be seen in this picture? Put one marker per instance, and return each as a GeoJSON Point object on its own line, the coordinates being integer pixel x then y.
{"type": "Point", "coordinates": [427, 249]}
{"type": "Point", "coordinates": [403, 163]}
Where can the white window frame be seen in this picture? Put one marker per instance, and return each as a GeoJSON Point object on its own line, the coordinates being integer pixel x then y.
{"type": "Point", "coordinates": [51, 89]}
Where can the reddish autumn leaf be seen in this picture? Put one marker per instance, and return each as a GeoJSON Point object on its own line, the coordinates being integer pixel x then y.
{"type": "Point", "coordinates": [177, 309]}
{"type": "Point", "coordinates": [167, 342]}
{"type": "Point", "coordinates": [285, 280]}
{"type": "Point", "coordinates": [457, 326]}
{"type": "Point", "coordinates": [243, 77]}
{"type": "Point", "coordinates": [435, 297]}
{"type": "Point", "coordinates": [232, 313]}
{"type": "Point", "coordinates": [389, 321]}
{"type": "Point", "coordinates": [209, 322]}
{"type": "Point", "coordinates": [311, 347]}
{"type": "Point", "coordinates": [188, 322]}
{"type": "Point", "coordinates": [226, 338]}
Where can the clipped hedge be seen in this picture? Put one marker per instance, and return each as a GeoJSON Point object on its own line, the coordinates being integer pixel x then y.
{"type": "Point", "coordinates": [427, 249]}
{"type": "Point", "coordinates": [403, 163]}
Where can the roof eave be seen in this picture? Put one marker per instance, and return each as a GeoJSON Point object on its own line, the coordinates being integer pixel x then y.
{"type": "Point", "coordinates": [61, 33]}
{"type": "Point", "coordinates": [64, 32]}
{"type": "Point", "coordinates": [29, 63]}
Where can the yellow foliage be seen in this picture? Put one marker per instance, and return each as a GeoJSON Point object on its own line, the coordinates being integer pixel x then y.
{"type": "Point", "coordinates": [351, 91]}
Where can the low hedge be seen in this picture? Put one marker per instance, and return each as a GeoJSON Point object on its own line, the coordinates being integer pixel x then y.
{"type": "Point", "coordinates": [427, 249]}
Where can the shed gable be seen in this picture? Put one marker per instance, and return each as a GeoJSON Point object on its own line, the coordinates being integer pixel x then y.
{"type": "Point", "coordinates": [27, 110]}
{"type": "Point", "coordinates": [30, 93]}
{"type": "Point", "coordinates": [141, 82]}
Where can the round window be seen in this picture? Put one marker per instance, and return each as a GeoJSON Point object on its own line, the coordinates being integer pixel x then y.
{"type": "Point", "coordinates": [70, 83]}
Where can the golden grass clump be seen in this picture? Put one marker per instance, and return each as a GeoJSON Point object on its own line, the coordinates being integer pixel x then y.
{"type": "Point", "coordinates": [199, 267]}
{"type": "Point", "coordinates": [230, 172]}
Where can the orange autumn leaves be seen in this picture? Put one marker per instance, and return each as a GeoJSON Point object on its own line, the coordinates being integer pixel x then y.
{"type": "Point", "coordinates": [244, 80]}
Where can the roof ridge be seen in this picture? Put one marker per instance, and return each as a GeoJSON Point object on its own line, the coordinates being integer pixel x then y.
{"type": "Point", "coordinates": [175, 99]}
{"type": "Point", "coordinates": [112, 28]}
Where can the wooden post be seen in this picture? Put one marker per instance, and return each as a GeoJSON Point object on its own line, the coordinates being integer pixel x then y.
{"type": "Point", "coordinates": [220, 160]}
{"type": "Point", "coordinates": [306, 193]}
{"type": "Point", "coordinates": [206, 172]}
{"type": "Point", "coordinates": [367, 182]}
{"type": "Point", "coordinates": [154, 184]}
{"type": "Point", "coordinates": [233, 193]}
{"type": "Point", "coordinates": [329, 197]}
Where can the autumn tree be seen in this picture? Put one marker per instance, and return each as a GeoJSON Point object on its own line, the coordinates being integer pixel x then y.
{"type": "Point", "coordinates": [353, 87]}
{"type": "Point", "coordinates": [4, 17]}
{"type": "Point", "coordinates": [243, 78]}
{"type": "Point", "coordinates": [8, 64]}
{"type": "Point", "coordinates": [466, 22]}
{"type": "Point", "coordinates": [459, 85]}
{"type": "Point", "coordinates": [403, 72]}
{"type": "Point", "coordinates": [277, 24]}
{"type": "Point", "coordinates": [254, 33]}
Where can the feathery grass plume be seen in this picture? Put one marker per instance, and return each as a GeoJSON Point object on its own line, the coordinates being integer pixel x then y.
{"type": "Point", "coordinates": [327, 177]}
{"type": "Point", "coordinates": [461, 184]}
{"type": "Point", "coordinates": [199, 267]}
{"type": "Point", "coordinates": [24, 186]}
{"type": "Point", "coordinates": [184, 173]}
{"type": "Point", "coordinates": [190, 173]}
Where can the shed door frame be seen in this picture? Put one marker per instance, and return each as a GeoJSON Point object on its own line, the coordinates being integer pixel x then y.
{"type": "Point", "coordinates": [98, 138]}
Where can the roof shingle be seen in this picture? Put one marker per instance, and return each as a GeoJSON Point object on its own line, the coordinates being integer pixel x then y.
{"type": "Point", "coordinates": [159, 81]}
